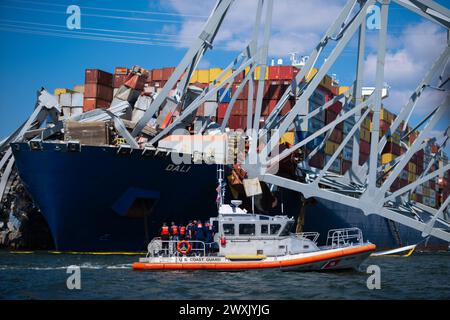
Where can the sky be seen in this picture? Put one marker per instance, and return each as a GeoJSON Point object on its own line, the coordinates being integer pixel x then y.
{"type": "Point", "coordinates": [38, 50]}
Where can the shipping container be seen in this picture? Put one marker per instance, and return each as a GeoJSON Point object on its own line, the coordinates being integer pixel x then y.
{"type": "Point", "coordinates": [336, 136]}
{"type": "Point", "coordinates": [363, 157]}
{"type": "Point", "coordinates": [335, 166]}
{"type": "Point", "coordinates": [121, 70]}
{"type": "Point", "coordinates": [364, 147]}
{"type": "Point", "coordinates": [330, 147]}
{"type": "Point", "coordinates": [392, 148]}
{"type": "Point", "coordinates": [59, 91]}
{"type": "Point", "coordinates": [97, 76]}
{"type": "Point", "coordinates": [77, 100]}
{"type": "Point", "coordinates": [79, 88]}
{"type": "Point", "coordinates": [282, 72]}
{"type": "Point", "coordinates": [317, 161]}
{"type": "Point", "coordinates": [364, 135]}
{"type": "Point", "coordinates": [94, 90]}
{"type": "Point", "coordinates": [119, 80]}
{"type": "Point", "coordinates": [387, 157]}
{"type": "Point", "coordinates": [167, 72]}
{"type": "Point", "coordinates": [203, 76]}
{"type": "Point", "coordinates": [225, 97]}
{"type": "Point", "coordinates": [347, 154]}
{"type": "Point", "coordinates": [346, 165]}
{"type": "Point", "coordinates": [136, 82]}
{"type": "Point", "coordinates": [94, 103]}
{"type": "Point", "coordinates": [157, 75]}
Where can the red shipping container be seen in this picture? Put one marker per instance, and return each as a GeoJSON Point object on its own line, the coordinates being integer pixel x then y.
{"type": "Point", "coordinates": [419, 198]}
{"type": "Point", "coordinates": [136, 82]}
{"type": "Point", "coordinates": [98, 76]}
{"type": "Point", "coordinates": [364, 147]}
{"type": "Point", "coordinates": [94, 103]}
{"type": "Point", "coordinates": [346, 165]}
{"type": "Point", "coordinates": [157, 74]}
{"type": "Point", "coordinates": [167, 72]}
{"type": "Point", "coordinates": [384, 126]}
{"type": "Point", "coordinates": [237, 122]}
{"type": "Point", "coordinates": [336, 108]}
{"type": "Point", "coordinates": [317, 160]}
{"type": "Point", "coordinates": [282, 72]}
{"type": "Point", "coordinates": [239, 108]}
{"type": "Point", "coordinates": [330, 116]}
{"type": "Point", "coordinates": [221, 110]}
{"type": "Point", "coordinates": [94, 90]}
{"type": "Point", "coordinates": [392, 148]}
{"type": "Point", "coordinates": [363, 157]}
{"type": "Point", "coordinates": [119, 80]}
{"type": "Point", "coordinates": [336, 136]}
{"type": "Point", "coordinates": [432, 184]}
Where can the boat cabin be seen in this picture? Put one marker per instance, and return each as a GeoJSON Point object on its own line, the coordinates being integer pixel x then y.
{"type": "Point", "coordinates": [243, 233]}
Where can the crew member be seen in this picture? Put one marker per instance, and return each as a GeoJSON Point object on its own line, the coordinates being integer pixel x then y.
{"type": "Point", "coordinates": [190, 230]}
{"type": "Point", "coordinates": [209, 231]}
{"type": "Point", "coordinates": [165, 237]}
{"type": "Point", "coordinates": [174, 231]}
{"type": "Point", "coordinates": [200, 235]}
{"type": "Point", "coordinates": [182, 232]}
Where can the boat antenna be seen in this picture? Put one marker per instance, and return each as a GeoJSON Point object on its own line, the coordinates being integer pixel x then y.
{"type": "Point", "coordinates": [221, 187]}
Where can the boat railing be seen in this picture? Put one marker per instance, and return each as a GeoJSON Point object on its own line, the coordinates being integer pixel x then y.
{"type": "Point", "coordinates": [158, 247]}
{"type": "Point", "coordinates": [313, 236]}
{"type": "Point", "coordinates": [344, 237]}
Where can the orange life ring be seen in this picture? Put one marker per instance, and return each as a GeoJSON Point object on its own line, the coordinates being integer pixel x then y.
{"type": "Point", "coordinates": [185, 251]}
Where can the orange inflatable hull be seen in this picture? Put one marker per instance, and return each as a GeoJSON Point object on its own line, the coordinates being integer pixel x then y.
{"type": "Point", "coordinates": [248, 265]}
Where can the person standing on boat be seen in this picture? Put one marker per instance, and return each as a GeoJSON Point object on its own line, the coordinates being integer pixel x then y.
{"type": "Point", "coordinates": [165, 237]}
{"type": "Point", "coordinates": [209, 231]}
{"type": "Point", "coordinates": [182, 232]}
{"type": "Point", "coordinates": [174, 231]}
{"type": "Point", "coordinates": [191, 229]}
{"type": "Point", "coordinates": [200, 235]}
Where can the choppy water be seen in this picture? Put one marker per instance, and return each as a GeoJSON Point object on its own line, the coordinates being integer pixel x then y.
{"type": "Point", "coordinates": [43, 276]}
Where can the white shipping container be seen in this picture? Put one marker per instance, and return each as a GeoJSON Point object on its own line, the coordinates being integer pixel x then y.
{"type": "Point", "coordinates": [432, 194]}
{"type": "Point", "coordinates": [210, 109]}
{"type": "Point", "coordinates": [77, 100]}
{"type": "Point", "coordinates": [65, 99]}
{"type": "Point", "coordinates": [419, 189]}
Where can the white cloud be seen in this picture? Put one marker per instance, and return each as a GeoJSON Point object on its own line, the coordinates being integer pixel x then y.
{"type": "Point", "coordinates": [409, 55]}
{"type": "Point", "coordinates": [295, 26]}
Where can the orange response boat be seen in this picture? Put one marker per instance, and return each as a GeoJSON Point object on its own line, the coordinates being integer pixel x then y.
{"type": "Point", "coordinates": [245, 241]}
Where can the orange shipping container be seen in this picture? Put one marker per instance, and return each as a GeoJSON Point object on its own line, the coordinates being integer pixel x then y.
{"type": "Point", "coordinates": [94, 90]}
{"type": "Point", "coordinates": [94, 103]}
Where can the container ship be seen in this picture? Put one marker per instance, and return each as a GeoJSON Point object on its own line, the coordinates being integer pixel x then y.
{"type": "Point", "coordinates": [98, 194]}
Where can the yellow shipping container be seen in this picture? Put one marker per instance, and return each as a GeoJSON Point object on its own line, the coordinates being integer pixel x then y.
{"type": "Point", "coordinates": [311, 74]}
{"type": "Point", "coordinates": [330, 147]}
{"type": "Point", "coordinates": [412, 167]}
{"type": "Point", "coordinates": [214, 73]}
{"type": "Point", "coordinates": [366, 123]}
{"type": "Point", "coordinates": [288, 137]}
{"type": "Point", "coordinates": [343, 89]}
{"type": "Point", "coordinates": [79, 88]}
{"type": "Point", "coordinates": [387, 157]}
{"type": "Point", "coordinates": [411, 177]}
{"type": "Point", "coordinates": [203, 76]}
{"type": "Point", "coordinates": [426, 191]}
{"type": "Point", "coordinates": [59, 91]}
{"type": "Point", "coordinates": [194, 77]}
{"type": "Point", "coordinates": [257, 73]}
{"type": "Point", "coordinates": [227, 74]}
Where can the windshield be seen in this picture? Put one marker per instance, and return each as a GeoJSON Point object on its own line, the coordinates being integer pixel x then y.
{"type": "Point", "coordinates": [287, 228]}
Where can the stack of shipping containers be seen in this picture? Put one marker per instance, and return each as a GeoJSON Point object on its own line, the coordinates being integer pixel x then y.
{"type": "Point", "coordinates": [98, 89]}
{"type": "Point", "coordinates": [98, 93]}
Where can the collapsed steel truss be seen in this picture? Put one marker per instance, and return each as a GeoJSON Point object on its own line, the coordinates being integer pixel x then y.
{"type": "Point", "coordinates": [365, 187]}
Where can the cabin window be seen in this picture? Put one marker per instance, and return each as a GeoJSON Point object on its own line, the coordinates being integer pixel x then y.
{"type": "Point", "coordinates": [274, 228]}
{"type": "Point", "coordinates": [215, 225]}
{"type": "Point", "coordinates": [287, 228]}
{"type": "Point", "coordinates": [247, 229]}
{"type": "Point", "coordinates": [264, 229]}
{"type": "Point", "coordinates": [228, 229]}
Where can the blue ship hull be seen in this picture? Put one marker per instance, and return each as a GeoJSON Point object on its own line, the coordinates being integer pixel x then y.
{"type": "Point", "coordinates": [99, 200]}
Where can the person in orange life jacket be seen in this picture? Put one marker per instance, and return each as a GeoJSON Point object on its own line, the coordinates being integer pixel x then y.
{"type": "Point", "coordinates": [200, 235]}
{"type": "Point", "coordinates": [164, 232]}
{"type": "Point", "coordinates": [174, 231]}
{"type": "Point", "coordinates": [182, 232]}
